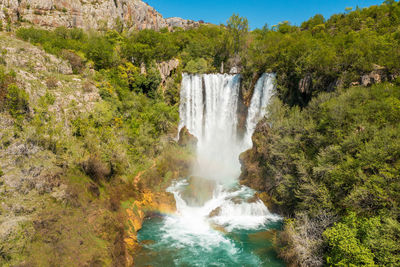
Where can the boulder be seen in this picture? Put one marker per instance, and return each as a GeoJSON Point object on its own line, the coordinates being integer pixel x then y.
{"type": "Point", "coordinates": [366, 80]}
{"type": "Point", "coordinates": [378, 75]}
{"type": "Point", "coordinates": [234, 70]}
{"type": "Point", "coordinates": [186, 138]}
{"type": "Point", "coordinates": [215, 212]}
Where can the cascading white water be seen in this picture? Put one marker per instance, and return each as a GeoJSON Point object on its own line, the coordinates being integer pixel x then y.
{"type": "Point", "coordinates": [209, 110]}
{"type": "Point", "coordinates": [216, 217]}
{"type": "Point", "coordinates": [262, 93]}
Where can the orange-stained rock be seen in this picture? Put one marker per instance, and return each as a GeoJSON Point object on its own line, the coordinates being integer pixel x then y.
{"type": "Point", "coordinates": [149, 202]}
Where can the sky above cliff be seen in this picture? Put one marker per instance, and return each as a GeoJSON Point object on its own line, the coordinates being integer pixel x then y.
{"type": "Point", "coordinates": [258, 12]}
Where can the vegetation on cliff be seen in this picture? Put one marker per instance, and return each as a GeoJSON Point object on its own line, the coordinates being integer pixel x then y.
{"type": "Point", "coordinates": [77, 150]}
{"type": "Point", "coordinates": [333, 167]}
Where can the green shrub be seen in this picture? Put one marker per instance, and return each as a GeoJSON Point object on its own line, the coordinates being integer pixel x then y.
{"type": "Point", "coordinates": [75, 60]}
{"type": "Point", "coordinates": [353, 240]}
{"type": "Point", "coordinates": [397, 81]}
{"type": "Point", "coordinates": [55, 41]}
{"type": "Point", "coordinates": [47, 99]}
{"type": "Point", "coordinates": [345, 248]}
{"type": "Point", "coordinates": [199, 65]}
{"type": "Point", "coordinates": [17, 101]}
{"type": "Point", "coordinates": [8, 26]}
{"type": "Point", "coordinates": [101, 52]}
{"type": "Point", "coordinates": [96, 168]}
{"type": "Point", "coordinates": [52, 82]}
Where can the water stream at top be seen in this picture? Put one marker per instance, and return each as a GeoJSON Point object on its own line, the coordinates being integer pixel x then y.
{"type": "Point", "coordinates": [218, 222]}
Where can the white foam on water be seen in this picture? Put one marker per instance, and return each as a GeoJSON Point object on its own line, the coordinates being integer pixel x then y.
{"type": "Point", "coordinates": [190, 227]}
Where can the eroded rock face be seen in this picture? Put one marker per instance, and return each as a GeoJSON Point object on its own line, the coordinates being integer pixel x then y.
{"type": "Point", "coordinates": [166, 68]}
{"type": "Point", "coordinates": [186, 138]}
{"type": "Point", "coordinates": [376, 76]}
{"type": "Point", "coordinates": [88, 14]}
{"type": "Point", "coordinates": [305, 84]}
{"type": "Point", "coordinates": [182, 23]}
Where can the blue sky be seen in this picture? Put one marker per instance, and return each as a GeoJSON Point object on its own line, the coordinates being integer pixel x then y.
{"type": "Point", "coordinates": [258, 12]}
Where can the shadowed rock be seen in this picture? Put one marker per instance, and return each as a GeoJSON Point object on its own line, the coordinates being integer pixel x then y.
{"type": "Point", "coordinates": [186, 138]}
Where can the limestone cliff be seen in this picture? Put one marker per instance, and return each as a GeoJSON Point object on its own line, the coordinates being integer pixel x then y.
{"type": "Point", "coordinates": [88, 14]}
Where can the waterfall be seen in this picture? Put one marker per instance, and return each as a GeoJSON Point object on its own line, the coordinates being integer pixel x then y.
{"type": "Point", "coordinates": [212, 196]}
{"type": "Point", "coordinates": [209, 110]}
{"type": "Point", "coordinates": [262, 93]}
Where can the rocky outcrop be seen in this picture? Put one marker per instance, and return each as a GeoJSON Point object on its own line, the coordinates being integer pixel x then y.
{"type": "Point", "coordinates": [150, 202]}
{"type": "Point", "coordinates": [199, 191]}
{"type": "Point", "coordinates": [253, 171]}
{"type": "Point", "coordinates": [88, 14]}
{"type": "Point", "coordinates": [305, 84]}
{"type": "Point", "coordinates": [182, 23]}
{"type": "Point", "coordinates": [166, 68]}
{"type": "Point", "coordinates": [378, 75]}
{"type": "Point", "coordinates": [235, 64]}
{"type": "Point", "coordinates": [186, 138]}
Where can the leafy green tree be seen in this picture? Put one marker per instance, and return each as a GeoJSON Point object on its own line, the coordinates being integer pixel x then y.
{"type": "Point", "coordinates": [238, 27]}
{"type": "Point", "coordinates": [101, 52]}
{"type": "Point", "coordinates": [345, 248]}
{"type": "Point", "coordinates": [147, 83]}
{"type": "Point", "coordinates": [199, 65]}
{"type": "Point", "coordinates": [313, 22]}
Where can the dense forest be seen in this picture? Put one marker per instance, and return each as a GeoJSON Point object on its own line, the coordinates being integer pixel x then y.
{"type": "Point", "coordinates": [327, 155]}
{"type": "Point", "coordinates": [327, 53]}
{"type": "Point", "coordinates": [333, 169]}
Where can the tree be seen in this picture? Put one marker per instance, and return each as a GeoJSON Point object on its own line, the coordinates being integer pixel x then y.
{"type": "Point", "coordinates": [238, 27]}
{"type": "Point", "coordinates": [101, 52]}
{"type": "Point", "coordinates": [312, 22]}
{"type": "Point", "coordinates": [389, 2]}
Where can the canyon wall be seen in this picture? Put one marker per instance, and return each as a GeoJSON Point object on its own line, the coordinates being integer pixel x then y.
{"type": "Point", "coordinates": [89, 14]}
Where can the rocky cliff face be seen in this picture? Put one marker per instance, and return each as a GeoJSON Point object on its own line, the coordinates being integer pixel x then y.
{"type": "Point", "coordinates": [89, 14]}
